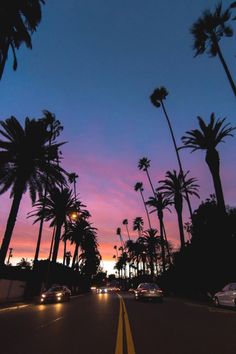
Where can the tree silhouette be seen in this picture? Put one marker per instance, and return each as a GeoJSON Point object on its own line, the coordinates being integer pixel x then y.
{"type": "Point", "coordinates": [27, 159]}
{"type": "Point", "coordinates": [139, 187]}
{"type": "Point", "coordinates": [157, 98]}
{"type": "Point", "coordinates": [18, 20]}
{"type": "Point", "coordinates": [138, 225]}
{"type": "Point", "coordinates": [208, 30]}
{"type": "Point", "coordinates": [173, 187]}
{"type": "Point", "coordinates": [125, 222]}
{"type": "Point", "coordinates": [207, 138]}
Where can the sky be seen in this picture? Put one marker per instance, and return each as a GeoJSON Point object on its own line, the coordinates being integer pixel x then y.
{"type": "Point", "coordinates": [94, 64]}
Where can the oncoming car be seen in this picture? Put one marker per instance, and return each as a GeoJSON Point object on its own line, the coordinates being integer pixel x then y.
{"type": "Point", "coordinates": [102, 290]}
{"type": "Point", "coordinates": [56, 293]}
{"type": "Point", "coordinates": [227, 296]}
{"type": "Point", "coordinates": [148, 291]}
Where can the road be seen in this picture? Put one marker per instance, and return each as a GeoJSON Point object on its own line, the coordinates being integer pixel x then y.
{"type": "Point", "coordinates": [112, 324]}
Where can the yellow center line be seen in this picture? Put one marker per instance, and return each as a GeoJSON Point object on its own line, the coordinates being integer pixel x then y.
{"type": "Point", "coordinates": [119, 338]}
{"type": "Point", "coordinates": [123, 316]}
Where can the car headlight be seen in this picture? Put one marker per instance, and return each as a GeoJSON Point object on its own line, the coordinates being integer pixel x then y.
{"type": "Point", "coordinates": [59, 294]}
{"type": "Point", "coordinates": [43, 295]}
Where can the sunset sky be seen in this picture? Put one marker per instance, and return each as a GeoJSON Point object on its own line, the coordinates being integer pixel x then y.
{"type": "Point", "coordinates": [94, 64]}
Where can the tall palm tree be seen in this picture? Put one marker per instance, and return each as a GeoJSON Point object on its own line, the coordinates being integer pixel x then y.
{"type": "Point", "coordinates": [139, 187]}
{"type": "Point", "coordinates": [27, 159]}
{"type": "Point", "coordinates": [125, 222]}
{"type": "Point", "coordinates": [157, 98]}
{"type": "Point", "coordinates": [144, 165]}
{"type": "Point", "coordinates": [18, 20]}
{"type": "Point", "coordinates": [78, 232]}
{"type": "Point", "coordinates": [54, 128]}
{"type": "Point", "coordinates": [118, 232]}
{"type": "Point", "coordinates": [173, 188]}
{"type": "Point", "coordinates": [138, 225]}
{"type": "Point", "coordinates": [207, 138]}
{"type": "Point", "coordinates": [208, 30]}
{"type": "Point", "coordinates": [58, 205]}
{"type": "Point", "coordinates": [160, 203]}
{"type": "Point", "coordinates": [151, 242]}
{"type": "Point", "coordinates": [72, 177]}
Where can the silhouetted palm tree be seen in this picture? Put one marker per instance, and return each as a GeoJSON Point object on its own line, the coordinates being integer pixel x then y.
{"type": "Point", "coordinates": [27, 159]}
{"type": "Point", "coordinates": [160, 203]}
{"type": "Point", "coordinates": [139, 187]}
{"type": "Point", "coordinates": [151, 242]}
{"type": "Point", "coordinates": [18, 20]}
{"type": "Point", "coordinates": [144, 165]}
{"type": "Point", "coordinates": [58, 205]}
{"type": "Point", "coordinates": [173, 189]}
{"type": "Point", "coordinates": [78, 233]}
{"type": "Point", "coordinates": [54, 128]}
{"type": "Point", "coordinates": [138, 225]}
{"type": "Point", "coordinates": [72, 177]}
{"type": "Point", "coordinates": [157, 98]}
{"type": "Point", "coordinates": [207, 138]}
{"type": "Point", "coordinates": [118, 232]}
{"type": "Point", "coordinates": [208, 30]}
{"type": "Point", "coordinates": [125, 222]}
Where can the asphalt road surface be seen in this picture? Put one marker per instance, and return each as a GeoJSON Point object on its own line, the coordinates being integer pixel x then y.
{"type": "Point", "coordinates": [117, 324]}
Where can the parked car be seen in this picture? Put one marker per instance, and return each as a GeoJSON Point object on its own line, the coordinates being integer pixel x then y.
{"type": "Point", "coordinates": [227, 296]}
{"type": "Point", "coordinates": [148, 291]}
{"type": "Point", "coordinates": [57, 293]}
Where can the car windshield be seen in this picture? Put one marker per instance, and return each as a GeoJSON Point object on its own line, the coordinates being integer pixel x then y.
{"type": "Point", "coordinates": [56, 288]}
{"type": "Point", "coordinates": [148, 286]}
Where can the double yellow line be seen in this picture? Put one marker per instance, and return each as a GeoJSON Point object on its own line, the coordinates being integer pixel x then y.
{"type": "Point", "coordinates": [124, 327]}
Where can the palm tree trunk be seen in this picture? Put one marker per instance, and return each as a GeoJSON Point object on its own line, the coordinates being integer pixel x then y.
{"type": "Point", "coordinates": [148, 218]}
{"type": "Point", "coordinates": [127, 229]}
{"type": "Point", "coordinates": [181, 229]}
{"type": "Point", "coordinates": [150, 182]}
{"type": "Point", "coordinates": [167, 246]}
{"type": "Point", "coordinates": [162, 244]}
{"type": "Point", "coordinates": [213, 161]}
{"type": "Point", "coordinates": [64, 253]}
{"type": "Point", "coordinates": [178, 158]}
{"type": "Point", "coordinates": [228, 74]}
{"type": "Point", "coordinates": [10, 225]}
{"type": "Point", "coordinates": [75, 256]}
{"type": "Point", "coordinates": [56, 242]}
{"type": "Point", "coordinates": [52, 243]}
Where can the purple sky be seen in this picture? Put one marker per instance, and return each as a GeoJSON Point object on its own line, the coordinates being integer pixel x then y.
{"type": "Point", "coordinates": [94, 64]}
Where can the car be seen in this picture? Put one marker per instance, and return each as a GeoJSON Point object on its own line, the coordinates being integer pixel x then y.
{"type": "Point", "coordinates": [57, 293]}
{"type": "Point", "coordinates": [148, 291]}
{"type": "Point", "coordinates": [102, 290]}
{"type": "Point", "coordinates": [227, 296]}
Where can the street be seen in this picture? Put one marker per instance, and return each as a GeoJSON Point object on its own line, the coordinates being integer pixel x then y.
{"type": "Point", "coordinates": [117, 324]}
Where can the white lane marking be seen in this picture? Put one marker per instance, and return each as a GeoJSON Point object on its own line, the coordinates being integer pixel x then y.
{"type": "Point", "coordinates": [49, 323]}
{"type": "Point", "coordinates": [13, 308]}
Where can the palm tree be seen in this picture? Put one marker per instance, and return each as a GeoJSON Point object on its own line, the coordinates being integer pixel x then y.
{"type": "Point", "coordinates": [58, 205]}
{"type": "Point", "coordinates": [72, 177]}
{"type": "Point", "coordinates": [54, 128]}
{"type": "Point", "coordinates": [173, 188]}
{"type": "Point", "coordinates": [157, 98]}
{"type": "Point", "coordinates": [125, 222]}
{"type": "Point", "coordinates": [138, 225]}
{"type": "Point", "coordinates": [208, 30]}
{"type": "Point", "coordinates": [118, 232]}
{"type": "Point", "coordinates": [139, 187]}
{"type": "Point", "coordinates": [151, 242]}
{"type": "Point", "coordinates": [144, 165]}
{"type": "Point", "coordinates": [27, 159]}
{"type": "Point", "coordinates": [207, 138]}
{"type": "Point", "coordinates": [160, 202]}
{"type": "Point", "coordinates": [78, 232]}
{"type": "Point", "coordinates": [18, 20]}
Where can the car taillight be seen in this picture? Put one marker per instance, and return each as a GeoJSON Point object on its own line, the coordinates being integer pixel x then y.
{"type": "Point", "coordinates": [143, 291]}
